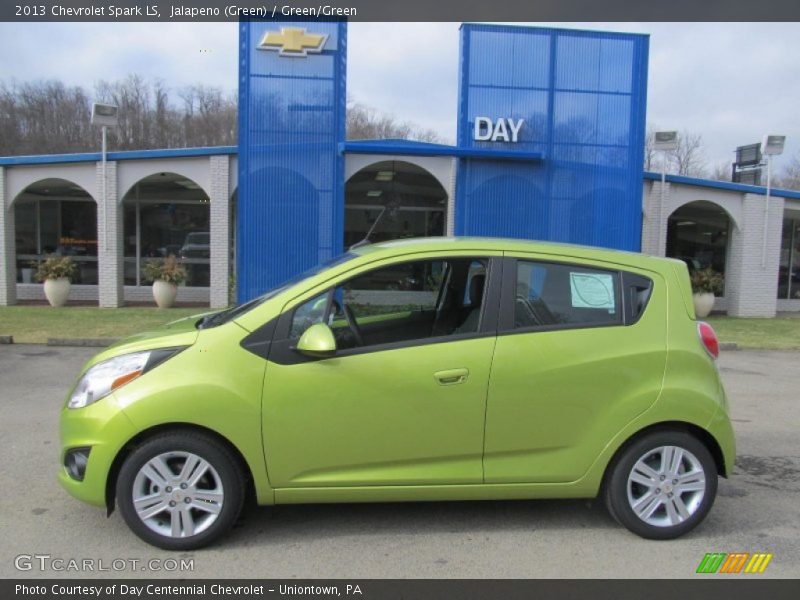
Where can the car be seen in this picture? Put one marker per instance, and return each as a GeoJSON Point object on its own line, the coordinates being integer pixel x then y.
{"type": "Point", "coordinates": [196, 245]}
{"type": "Point", "coordinates": [425, 369]}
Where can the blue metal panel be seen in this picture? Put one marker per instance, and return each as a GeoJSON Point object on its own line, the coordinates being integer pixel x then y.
{"type": "Point", "coordinates": [582, 95]}
{"type": "Point", "coordinates": [291, 121]}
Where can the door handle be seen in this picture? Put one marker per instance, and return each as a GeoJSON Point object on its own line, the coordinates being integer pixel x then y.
{"type": "Point", "coordinates": [451, 376]}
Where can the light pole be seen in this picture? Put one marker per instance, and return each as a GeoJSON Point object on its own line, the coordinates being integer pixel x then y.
{"type": "Point", "coordinates": [663, 142]}
{"type": "Point", "coordinates": [771, 146]}
{"type": "Point", "coordinates": [105, 115]}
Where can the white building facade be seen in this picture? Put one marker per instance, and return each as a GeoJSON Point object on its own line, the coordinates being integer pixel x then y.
{"type": "Point", "coordinates": [146, 205]}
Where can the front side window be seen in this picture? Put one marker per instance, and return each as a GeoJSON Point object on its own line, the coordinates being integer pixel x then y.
{"type": "Point", "coordinates": [400, 303]}
{"type": "Point", "coordinates": [560, 295]}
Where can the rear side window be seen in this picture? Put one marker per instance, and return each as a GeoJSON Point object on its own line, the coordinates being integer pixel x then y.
{"type": "Point", "coordinates": [552, 295]}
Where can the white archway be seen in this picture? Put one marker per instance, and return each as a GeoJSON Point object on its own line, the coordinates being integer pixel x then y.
{"type": "Point", "coordinates": [55, 216]}
{"type": "Point", "coordinates": [166, 214]}
{"type": "Point", "coordinates": [699, 233]}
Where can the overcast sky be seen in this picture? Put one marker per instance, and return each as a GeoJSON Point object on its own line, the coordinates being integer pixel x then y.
{"type": "Point", "coordinates": [730, 82]}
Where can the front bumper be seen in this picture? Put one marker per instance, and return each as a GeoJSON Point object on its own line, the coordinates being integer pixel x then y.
{"type": "Point", "coordinates": [104, 428]}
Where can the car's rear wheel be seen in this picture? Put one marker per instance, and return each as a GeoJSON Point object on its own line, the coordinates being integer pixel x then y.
{"type": "Point", "coordinates": [180, 491]}
{"type": "Point", "coordinates": [662, 485]}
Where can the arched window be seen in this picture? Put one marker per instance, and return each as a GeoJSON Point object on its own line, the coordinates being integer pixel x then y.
{"type": "Point", "coordinates": [56, 216]}
{"type": "Point", "coordinates": [393, 199]}
{"type": "Point", "coordinates": [698, 234]}
{"type": "Point", "coordinates": [166, 214]}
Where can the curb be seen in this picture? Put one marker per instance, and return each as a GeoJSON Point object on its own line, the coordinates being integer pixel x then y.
{"type": "Point", "coordinates": [6, 339]}
{"type": "Point", "coordinates": [82, 342]}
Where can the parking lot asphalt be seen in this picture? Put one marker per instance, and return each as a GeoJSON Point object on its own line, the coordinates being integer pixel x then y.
{"type": "Point", "coordinates": [757, 510]}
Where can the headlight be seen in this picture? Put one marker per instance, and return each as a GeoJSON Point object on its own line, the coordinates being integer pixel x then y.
{"type": "Point", "coordinates": [105, 377]}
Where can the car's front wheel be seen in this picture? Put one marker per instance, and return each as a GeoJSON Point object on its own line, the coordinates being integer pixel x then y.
{"type": "Point", "coordinates": [662, 485]}
{"type": "Point", "coordinates": [180, 491]}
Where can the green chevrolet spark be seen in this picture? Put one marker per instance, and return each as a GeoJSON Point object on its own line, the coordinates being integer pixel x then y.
{"type": "Point", "coordinates": [428, 369]}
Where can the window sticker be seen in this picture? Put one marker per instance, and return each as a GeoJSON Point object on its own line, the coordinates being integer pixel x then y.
{"type": "Point", "coordinates": [592, 290]}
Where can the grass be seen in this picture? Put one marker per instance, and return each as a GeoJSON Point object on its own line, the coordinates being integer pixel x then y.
{"type": "Point", "coordinates": [780, 333]}
{"type": "Point", "coordinates": [34, 324]}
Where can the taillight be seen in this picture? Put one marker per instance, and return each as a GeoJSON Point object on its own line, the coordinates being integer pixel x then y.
{"type": "Point", "coordinates": [709, 338]}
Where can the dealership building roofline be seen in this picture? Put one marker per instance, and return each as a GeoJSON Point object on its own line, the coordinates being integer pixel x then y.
{"type": "Point", "coordinates": [385, 147]}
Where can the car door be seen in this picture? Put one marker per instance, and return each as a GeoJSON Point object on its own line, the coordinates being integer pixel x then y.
{"type": "Point", "coordinates": [581, 351]}
{"type": "Point", "coordinates": [403, 401]}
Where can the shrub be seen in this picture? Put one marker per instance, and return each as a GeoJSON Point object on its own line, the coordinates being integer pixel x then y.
{"type": "Point", "coordinates": [56, 267]}
{"type": "Point", "coordinates": [169, 270]}
{"type": "Point", "coordinates": [707, 281]}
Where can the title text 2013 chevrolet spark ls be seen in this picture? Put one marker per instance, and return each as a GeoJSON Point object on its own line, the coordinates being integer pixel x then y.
{"type": "Point", "coordinates": [441, 369]}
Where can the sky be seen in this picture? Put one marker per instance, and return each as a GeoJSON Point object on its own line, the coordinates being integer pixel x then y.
{"type": "Point", "coordinates": [730, 82]}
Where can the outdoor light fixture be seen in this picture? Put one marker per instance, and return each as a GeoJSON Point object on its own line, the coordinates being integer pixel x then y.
{"type": "Point", "coordinates": [772, 145]}
{"type": "Point", "coordinates": [384, 176]}
{"type": "Point", "coordinates": [374, 193]}
{"type": "Point", "coordinates": [664, 142]}
{"type": "Point", "coordinates": [105, 115]}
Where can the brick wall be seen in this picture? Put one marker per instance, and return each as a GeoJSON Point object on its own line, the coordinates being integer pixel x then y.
{"type": "Point", "coordinates": [752, 283]}
{"type": "Point", "coordinates": [219, 216]}
{"type": "Point", "coordinates": [109, 242]}
{"type": "Point", "coordinates": [8, 267]}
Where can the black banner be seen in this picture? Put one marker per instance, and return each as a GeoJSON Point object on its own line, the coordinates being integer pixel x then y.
{"type": "Point", "coordinates": [394, 10]}
{"type": "Point", "coordinates": [737, 588]}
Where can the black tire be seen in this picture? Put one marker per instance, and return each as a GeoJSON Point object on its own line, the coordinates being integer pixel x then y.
{"type": "Point", "coordinates": [221, 460]}
{"type": "Point", "coordinates": [616, 490]}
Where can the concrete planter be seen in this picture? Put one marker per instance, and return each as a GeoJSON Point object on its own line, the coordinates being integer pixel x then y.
{"type": "Point", "coordinates": [56, 291]}
{"type": "Point", "coordinates": [703, 304]}
{"type": "Point", "coordinates": [164, 293]}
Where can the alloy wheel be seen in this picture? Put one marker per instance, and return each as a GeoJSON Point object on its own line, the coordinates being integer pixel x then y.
{"type": "Point", "coordinates": [178, 494]}
{"type": "Point", "coordinates": [666, 486]}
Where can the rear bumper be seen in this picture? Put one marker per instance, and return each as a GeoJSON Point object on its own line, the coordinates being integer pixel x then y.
{"type": "Point", "coordinates": [720, 427]}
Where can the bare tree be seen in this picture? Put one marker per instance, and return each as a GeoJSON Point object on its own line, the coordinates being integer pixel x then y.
{"type": "Point", "coordinates": [650, 153]}
{"type": "Point", "coordinates": [364, 122]}
{"type": "Point", "coordinates": [48, 117]}
{"type": "Point", "coordinates": [689, 157]}
{"type": "Point", "coordinates": [721, 171]}
{"type": "Point", "coordinates": [789, 177]}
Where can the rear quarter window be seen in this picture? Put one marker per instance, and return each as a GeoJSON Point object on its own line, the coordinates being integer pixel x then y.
{"type": "Point", "coordinates": [554, 295]}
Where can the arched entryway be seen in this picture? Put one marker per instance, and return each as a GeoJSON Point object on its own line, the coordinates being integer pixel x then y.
{"type": "Point", "coordinates": [699, 234]}
{"type": "Point", "coordinates": [393, 199]}
{"type": "Point", "coordinates": [166, 214]}
{"type": "Point", "coordinates": [55, 216]}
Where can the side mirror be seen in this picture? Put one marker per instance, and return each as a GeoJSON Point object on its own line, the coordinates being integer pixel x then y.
{"type": "Point", "coordinates": [317, 341]}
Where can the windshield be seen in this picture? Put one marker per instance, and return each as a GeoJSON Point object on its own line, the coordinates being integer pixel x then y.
{"type": "Point", "coordinates": [215, 319]}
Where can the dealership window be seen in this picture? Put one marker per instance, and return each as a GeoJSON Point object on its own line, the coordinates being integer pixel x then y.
{"type": "Point", "coordinates": [393, 199]}
{"type": "Point", "coordinates": [166, 215]}
{"type": "Point", "coordinates": [561, 295]}
{"type": "Point", "coordinates": [789, 267]}
{"type": "Point", "coordinates": [698, 234]}
{"type": "Point", "coordinates": [56, 217]}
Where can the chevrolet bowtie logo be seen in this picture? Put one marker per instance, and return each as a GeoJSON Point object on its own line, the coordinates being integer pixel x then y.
{"type": "Point", "coordinates": [293, 41]}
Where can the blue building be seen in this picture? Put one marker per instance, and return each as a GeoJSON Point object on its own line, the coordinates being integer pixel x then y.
{"type": "Point", "coordinates": [551, 126]}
